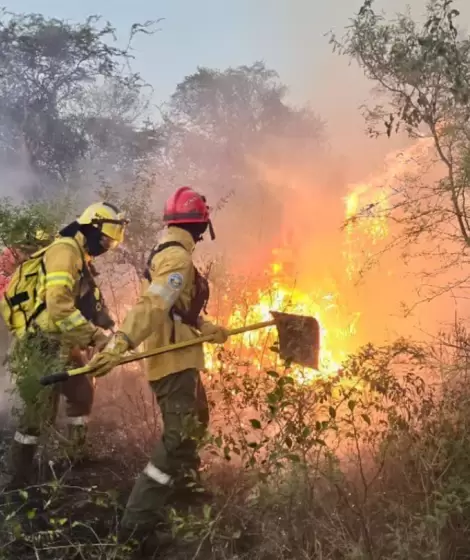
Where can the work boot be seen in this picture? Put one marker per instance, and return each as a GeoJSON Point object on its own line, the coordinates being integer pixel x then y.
{"type": "Point", "coordinates": [145, 539]}
{"type": "Point", "coordinates": [146, 506]}
{"type": "Point", "coordinates": [21, 465]}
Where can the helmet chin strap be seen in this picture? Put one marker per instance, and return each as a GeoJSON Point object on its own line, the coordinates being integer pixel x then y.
{"type": "Point", "coordinates": [211, 230]}
{"type": "Point", "coordinates": [93, 241]}
{"type": "Point", "coordinates": [209, 226]}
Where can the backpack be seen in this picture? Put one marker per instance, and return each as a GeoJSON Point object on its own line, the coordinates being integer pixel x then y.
{"type": "Point", "coordinates": [23, 300]}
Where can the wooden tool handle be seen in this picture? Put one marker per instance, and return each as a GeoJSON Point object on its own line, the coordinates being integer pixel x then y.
{"type": "Point", "coordinates": [63, 376]}
{"type": "Point", "coordinates": [192, 342]}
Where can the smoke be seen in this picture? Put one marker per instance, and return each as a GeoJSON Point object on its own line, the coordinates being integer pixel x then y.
{"type": "Point", "coordinates": [302, 206]}
{"type": "Point", "coordinates": [290, 189]}
{"type": "Point", "coordinates": [18, 181]}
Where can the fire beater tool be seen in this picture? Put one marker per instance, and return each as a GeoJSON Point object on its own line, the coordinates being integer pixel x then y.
{"type": "Point", "coordinates": [299, 342]}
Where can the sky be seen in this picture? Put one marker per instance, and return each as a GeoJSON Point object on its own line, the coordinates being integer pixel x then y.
{"type": "Point", "coordinates": [288, 35]}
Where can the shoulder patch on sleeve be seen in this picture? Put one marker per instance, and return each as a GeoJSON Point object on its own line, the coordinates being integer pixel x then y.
{"type": "Point", "coordinates": [175, 281]}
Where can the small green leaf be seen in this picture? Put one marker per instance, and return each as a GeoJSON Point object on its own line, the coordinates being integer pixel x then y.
{"type": "Point", "coordinates": [332, 412]}
{"type": "Point", "coordinates": [23, 494]}
{"type": "Point", "coordinates": [366, 418]}
{"type": "Point", "coordinates": [113, 494]}
{"type": "Point", "coordinates": [256, 424]}
{"type": "Point", "coordinates": [207, 511]}
{"type": "Point", "coordinates": [273, 374]}
{"type": "Point", "coordinates": [293, 457]}
{"type": "Point", "coordinates": [272, 397]}
{"type": "Point", "coordinates": [352, 405]}
{"type": "Point", "coordinates": [31, 514]}
{"type": "Point", "coordinates": [288, 442]}
{"type": "Point", "coordinates": [17, 531]}
{"type": "Point", "coordinates": [306, 432]}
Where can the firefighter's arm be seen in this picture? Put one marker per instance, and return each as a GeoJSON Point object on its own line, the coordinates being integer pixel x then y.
{"type": "Point", "coordinates": [170, 273]}
{"type": "Point", "coordinates": [63, 264]}
{"type": "Point", "coordinates": [169, 276]}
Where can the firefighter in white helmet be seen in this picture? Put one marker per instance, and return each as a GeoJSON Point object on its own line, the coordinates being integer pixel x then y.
{"type": "Point", "coordinates": [45, 313]}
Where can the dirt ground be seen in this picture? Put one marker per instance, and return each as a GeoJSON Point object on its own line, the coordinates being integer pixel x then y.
{"type": "Point", "coordinates": [74, 512]}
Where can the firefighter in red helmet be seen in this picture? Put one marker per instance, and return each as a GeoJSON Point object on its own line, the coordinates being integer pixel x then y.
{"type": "Point", "coordinates": [174, 295]}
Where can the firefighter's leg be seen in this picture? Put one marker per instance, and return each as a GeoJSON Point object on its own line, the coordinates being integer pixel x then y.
{"type": "Point", "coordinates": [203, 417]}
{"type": "Point", "coordinates": [189, 481]}
{"type": "Point", "coordinates": [21, 458]}
{"type": "Point", "coordinates": [32, 357]}
{"type": "Point", "coordinates": [34, 418]}
{"type": "Point", "coordinates": [79, 394]}
{"type": "Point", "coordinates": [174, 455]}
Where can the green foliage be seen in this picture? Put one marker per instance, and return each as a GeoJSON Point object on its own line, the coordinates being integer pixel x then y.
{"type": "Point", "coordinates": [48, 67]}
{"type": "Point", "coordinates": [423, 70]}
{"type": "Point", "coordinates": [371, 463]}
{"type": "Point", "coordinates": [44, 529]}
{"type": "Point", "coordinates": [31, 358]}
{"type": "Point", "coordinates": [20, 222]}
{"type": "Point", "coordinates": [367, 464]}
{"type": "Point", "coordinates": [422, 75]}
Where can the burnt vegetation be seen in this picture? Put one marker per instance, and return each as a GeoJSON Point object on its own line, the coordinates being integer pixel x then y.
{"type": "Point", "coordinates": [371, 463]}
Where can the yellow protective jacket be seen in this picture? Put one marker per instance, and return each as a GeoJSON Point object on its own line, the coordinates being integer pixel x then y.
{"type": "Point", "coordinates": [60, 285]}
{"type": "Point", "coordinates": [172, 283]}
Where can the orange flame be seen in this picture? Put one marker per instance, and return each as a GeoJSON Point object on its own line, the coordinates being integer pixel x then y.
{"type": "Point", "coordinates": [280, 296]}
{"type": "Point", "coordinates": [366, 211]}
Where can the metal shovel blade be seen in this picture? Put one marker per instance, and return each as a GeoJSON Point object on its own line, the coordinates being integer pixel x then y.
{"type": "Point", "coordinates": [299, 338]}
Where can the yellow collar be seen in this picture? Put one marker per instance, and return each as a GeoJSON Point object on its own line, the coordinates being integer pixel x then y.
{"type": "Point", "coordinates": [81, 241]}
{"type": "Point", "coordinates": [181, 236]}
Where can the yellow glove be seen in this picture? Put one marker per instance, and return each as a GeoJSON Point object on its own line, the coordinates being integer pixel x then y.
{"type": "Point", "coordinates": [110, 356]}
{"type": "Point", "coordinates": [219, 334]}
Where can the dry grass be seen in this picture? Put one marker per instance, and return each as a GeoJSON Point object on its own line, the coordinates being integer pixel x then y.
{"type": "Point", "coordinates": [326, 472]}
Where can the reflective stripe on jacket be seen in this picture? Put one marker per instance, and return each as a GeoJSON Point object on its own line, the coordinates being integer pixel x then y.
{"type": "Point", "coordinates": [59, 287]}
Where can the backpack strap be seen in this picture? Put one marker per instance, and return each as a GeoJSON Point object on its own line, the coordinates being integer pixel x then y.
{"type": "Point", "coordinates": [147, 276]}
{"type": "Point", "coordinates": [159, 249]}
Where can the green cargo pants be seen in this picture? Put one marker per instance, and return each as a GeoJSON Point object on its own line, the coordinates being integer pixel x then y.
{"type": "Point", "coordinates": [185, 414]}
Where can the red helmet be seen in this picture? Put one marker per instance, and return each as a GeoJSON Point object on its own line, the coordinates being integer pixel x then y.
{"type": "Point", "coordinates": [186, 206]}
